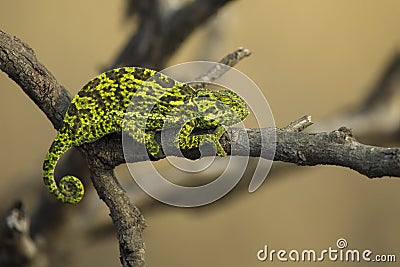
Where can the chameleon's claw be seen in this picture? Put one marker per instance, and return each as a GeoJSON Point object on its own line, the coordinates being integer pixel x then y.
{"type": "Point", "coordinates": [214, 138]}
{"type": "Point", "coordinates": [217, 135]}
{"type": "Point", "coordinates": [195, 141]}
{"type": "Point", "coordinates": [220, 150]}
{"type": "Point", "coordinates": [154, 150]}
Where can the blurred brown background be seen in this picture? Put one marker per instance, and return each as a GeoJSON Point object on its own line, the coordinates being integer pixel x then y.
{"type": "Point", "coordinates": [309, 57]}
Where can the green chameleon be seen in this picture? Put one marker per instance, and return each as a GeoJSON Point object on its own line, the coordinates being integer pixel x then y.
{"type": "Point", "coordinates": [101, 108]}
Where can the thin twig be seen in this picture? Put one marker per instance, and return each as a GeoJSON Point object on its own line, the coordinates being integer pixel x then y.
{"type": "Point", "coordinates": [221, 68]}
{"type": "Point", "coordinates": [299, 124]}
{"type": "Point", "coordinates": [19, 62]}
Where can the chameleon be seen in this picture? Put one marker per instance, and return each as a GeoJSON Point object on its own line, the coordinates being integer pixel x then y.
{"type": "Point", "coordinates": [101, 108]}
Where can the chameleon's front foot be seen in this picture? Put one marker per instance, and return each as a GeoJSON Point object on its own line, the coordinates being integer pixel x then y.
{"type": "Point", "coordinates": [195, 141]}
{"type": "Point", "coordinates": [155, 151]}
{"type": "Point", "coordinates": [152, 147]}
{"type": "Point", "coordinates": [216, 136]}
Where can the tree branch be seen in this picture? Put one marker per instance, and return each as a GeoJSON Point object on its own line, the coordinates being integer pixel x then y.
{"type": "Point", "coordinates": [334, 148]}
{"type": "Point", "coordinates": [220, 69]}
{"type": "Point", "coordinates": [158, 37]}
{"type": "Point", "coordinates": [127, 219]}
{"type": "Point", "coordinates": [377, 118]}
{"type": "Point", "coordinates": [335, 140]}
{"type": "Point", "coordinates": [337, 148]}
{"type": "Point", "coordinates": [17, 246]}
{"type": "Point", "coordinates": [298, 125]}
{"type": "Point", "coordinates": [19, 62]}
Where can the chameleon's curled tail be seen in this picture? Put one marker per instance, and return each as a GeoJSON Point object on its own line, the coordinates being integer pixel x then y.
{"type": "Point", "coordinates": [70, 189]}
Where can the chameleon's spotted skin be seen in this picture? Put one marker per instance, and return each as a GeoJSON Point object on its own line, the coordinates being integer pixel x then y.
{"type": "Point", "coordinates": [104, 105]}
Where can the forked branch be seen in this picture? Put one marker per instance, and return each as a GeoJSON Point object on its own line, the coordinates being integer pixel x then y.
{"type": "Point", "coordinates": [339, 148]}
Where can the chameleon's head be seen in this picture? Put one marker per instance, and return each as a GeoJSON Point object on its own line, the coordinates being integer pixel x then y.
{"type": "Point", "coordinates": [224, 106]}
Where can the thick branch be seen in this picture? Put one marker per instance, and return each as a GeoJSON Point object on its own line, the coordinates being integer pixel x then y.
{"type": "Point", "coordinates": [311, 149]}
{"type": "Point", "coordinates": [19, 62]}
{"type": "Point", "coordinates": [127, 219]}
{"type": "Point", "coordinates": [337, 148]}
{"type": "Point", "coordinates": [334, 148]}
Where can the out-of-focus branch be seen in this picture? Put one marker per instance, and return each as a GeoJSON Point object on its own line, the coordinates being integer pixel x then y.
{"type": "Point", "coordinates": [158, 37]}
{"type": "Point", "coordinates": [17, 246]}
{"type": "Point", "coordinates": [140, 7]}
{"type": "Point", "coordinates": [377, 119]}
